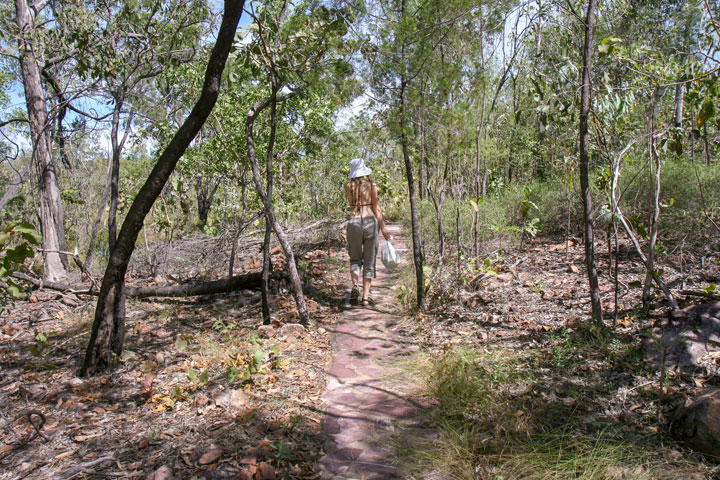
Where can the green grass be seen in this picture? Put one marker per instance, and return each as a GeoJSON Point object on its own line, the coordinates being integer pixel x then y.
{"type": "Point", "coordinates": [492, 425]}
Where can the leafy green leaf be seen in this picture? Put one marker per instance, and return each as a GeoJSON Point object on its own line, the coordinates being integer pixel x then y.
{"type": "Point", "coordinates": [706, 112]}
{"type": "Point", "coordinates": [19, 253]}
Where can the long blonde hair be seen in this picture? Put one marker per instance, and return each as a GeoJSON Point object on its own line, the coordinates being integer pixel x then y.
{"type": "Point", "coordinates": [355, 187]}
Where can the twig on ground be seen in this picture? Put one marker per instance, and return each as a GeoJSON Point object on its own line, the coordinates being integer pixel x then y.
{"type": "Point", "coordinates": [37, 426]}
{"type": "Point", "coordinates": [68, 474]}
{"type": "Point", "coordinates": [696, 293]}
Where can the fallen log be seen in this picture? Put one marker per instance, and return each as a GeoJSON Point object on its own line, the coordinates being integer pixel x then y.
{"type": "Point", "coordinates": [238, 282]}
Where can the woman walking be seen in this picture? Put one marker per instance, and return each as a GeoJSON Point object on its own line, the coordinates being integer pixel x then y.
{"type": "Point", "coordinates": [362, 229]}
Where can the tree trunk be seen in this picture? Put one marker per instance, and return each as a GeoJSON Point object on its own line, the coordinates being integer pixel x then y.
{"type": "Point", "coordinates": [597, 313]}
{"type": "Point", "coordinates": [114, 182]}
{"type": "Point", "coordinates": [98, 218]}
{"type": "Point", "coordinates": [270, 211]}
{"type": "Point", "coordinates": [417, 248]}
{"type": "Point", "coordinates": [438, 204]}
{"type": "Point", "coordinates": [679, 102]}
{"type": "Point", "coordinates": [266, 268]}
{"type": "Point", "coordinates": [108, 330]}
{"type": "Point", "coordinates": [205, 190]}
{"type": "Point", "coordinates": [267, 260]}
{"type": "Point", "coordinates": [655, 186]}
{"type": "Point", "coordinates": [706, 143]}
{"type": "Point", "coordinates": [51, 212]}
{"type": "Point", "coordinates": [421, 168]}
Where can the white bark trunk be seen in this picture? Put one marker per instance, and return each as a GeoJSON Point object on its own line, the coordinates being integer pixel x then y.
{"type": "Point", "coordinates": [51, 214]}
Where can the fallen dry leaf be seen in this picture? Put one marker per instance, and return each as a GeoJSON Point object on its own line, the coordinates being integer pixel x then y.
{"type": "Point", "coordinates": [210, 457]}
{"type": "Point", "coordinates": [265, 471]}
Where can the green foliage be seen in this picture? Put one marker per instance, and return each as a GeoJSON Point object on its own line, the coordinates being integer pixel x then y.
{"type": "Point", "coordinates": [465, 382]}
{"type": "Point", "coordinates": [17, 244]}
{"type": "Point", "coordinates": [223, 327]}
{"type": "Point", "coordinates": [42, 343]}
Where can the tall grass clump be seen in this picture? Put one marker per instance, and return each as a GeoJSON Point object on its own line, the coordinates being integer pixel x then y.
{"type": "Point", "coordinates": [494, 423]}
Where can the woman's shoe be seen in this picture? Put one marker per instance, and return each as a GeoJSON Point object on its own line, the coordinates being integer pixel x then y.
{"type": "Point", "coordinates": [354, 296]}
{"type": "Point", "coordinates": [366, 302]}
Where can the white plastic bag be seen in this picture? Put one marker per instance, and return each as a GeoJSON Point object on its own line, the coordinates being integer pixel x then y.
{"type": "Point", "coordinates": [389, 256]}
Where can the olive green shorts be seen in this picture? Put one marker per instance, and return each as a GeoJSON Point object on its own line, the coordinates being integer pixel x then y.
{"type": "Point", "coordinates": [362, 237]}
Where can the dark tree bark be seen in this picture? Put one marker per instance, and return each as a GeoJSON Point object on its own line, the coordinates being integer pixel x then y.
{"type": "Point", "coordinates": [205, 190]}
{"type": "Point", "coordinates": [108, 330]}
{"type": "Point", "coordinates": [51, 212]}
{"type": "Point", "coordinates": [232, 284]}
{"type": "Point", "coordinates": [597, 313]}
{"type": "Point", "coordinates": [417, 248]}
{"type": "Point", "coordinates": [114, 180]}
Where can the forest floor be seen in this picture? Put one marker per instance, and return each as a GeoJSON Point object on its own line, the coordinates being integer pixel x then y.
{"type": "Point", "coordinates": [204, 392]}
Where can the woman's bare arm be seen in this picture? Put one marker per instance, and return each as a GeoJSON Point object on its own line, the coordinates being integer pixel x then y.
{"type": "Point", "coordinates": [377, 212]}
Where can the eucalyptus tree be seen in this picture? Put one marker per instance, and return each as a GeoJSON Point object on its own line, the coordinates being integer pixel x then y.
{"type": "Point", "coordinates": [34, 56]}
{"type": "Point", "coordinates": [584, 160]}
{"type": "Point", "coordinates": [108, 330]}
{"type": "Point", "coordinates": [148, 36]}
{"type": "Point", "coordinates": [291, 47]}
{"type": "Point", "coordinates": [401, 38]}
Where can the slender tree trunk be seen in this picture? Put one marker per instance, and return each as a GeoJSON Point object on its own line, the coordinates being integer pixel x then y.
{"type": "Point", "coordinates": [706, 143]}
{"type": "Point", "coordinates": [438, 204]}
{"type": "Point", "coordinates": [117, 147]}
{"type": "Point", "coordinates": [679, 103]}
{"type": "Point", "coordinates": [98, 217]}
{"type": "Point", "coordinates": [478, 193]}
{"type": "Point", "coordinates": [585, 166]}
{"type": "Point", "coordinates": [267, 260]}
{"type": "Point", "coordinates": [421, 168]}
{"type": "Point", "coordinates": [417, 248]}
{"type": "Point", "coordinates": [51, 212]}
{"type": "Point", "coordinates": [114, 175]}
{"type": "Point", "coordinates": [655, 185]}
{"type": "Point", "coordinates": [295, 282]}
{"type": "Point", "coordinates": [108, 330]}
{"type": "Point", "coordinates": [266, 267]}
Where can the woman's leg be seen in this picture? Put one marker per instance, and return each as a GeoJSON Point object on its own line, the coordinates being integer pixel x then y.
{"type": "Point", "coordinates": [370, 241]}
{"type": "Point", "coordinates": [355, 246]}
{"type": "Point", "coordinates": [366, 288]}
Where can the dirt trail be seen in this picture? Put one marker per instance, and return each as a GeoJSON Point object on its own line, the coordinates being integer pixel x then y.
{"type": "Point", "coordinates": [368, 403]}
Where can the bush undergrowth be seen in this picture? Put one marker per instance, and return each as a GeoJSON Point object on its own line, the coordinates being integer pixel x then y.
{"type": "Point", "coordinates": [494, 422]}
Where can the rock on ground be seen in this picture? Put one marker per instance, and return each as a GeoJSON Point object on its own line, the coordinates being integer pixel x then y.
{"type": "Point", "coordinates": [698, 422]}
{"type": "Point", "coordinates": [687, 340]}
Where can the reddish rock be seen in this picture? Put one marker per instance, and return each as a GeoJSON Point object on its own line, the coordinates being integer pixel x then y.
{"type": "Point", "coordinates": [292, 329]}
{"type": "Point", "coordinates": [266, 331]}
{"type": "Point", "coordinates": [162, 473]}
{"type": "Point", "coordinates": [698, 422]}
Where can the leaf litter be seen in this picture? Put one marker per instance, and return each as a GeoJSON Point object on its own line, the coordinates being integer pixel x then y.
{"type": "Point", "coordinates": [201, 391]}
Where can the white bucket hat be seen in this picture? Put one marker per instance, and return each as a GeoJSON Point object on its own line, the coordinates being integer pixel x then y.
{"type": "Point", "coordinates": [358, 168]}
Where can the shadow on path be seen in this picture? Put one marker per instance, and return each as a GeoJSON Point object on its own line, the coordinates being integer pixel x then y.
{"type": "Point", "coordinates": [369, 405]}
